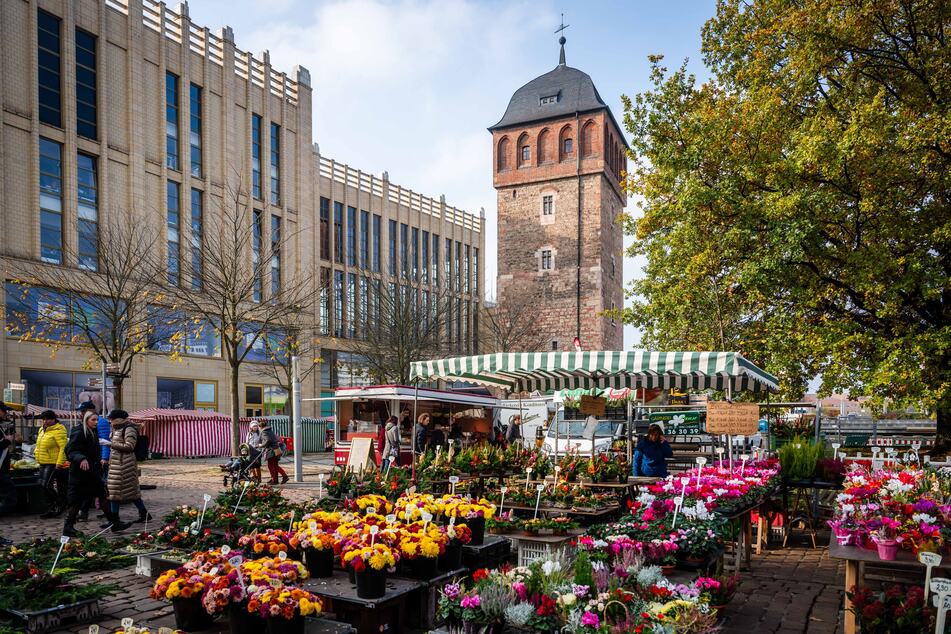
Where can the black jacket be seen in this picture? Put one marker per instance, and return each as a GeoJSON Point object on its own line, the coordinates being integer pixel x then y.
{"type": "Point", "coordinates": [5, 445]}
{"type": "Point", "coordinates": [83, 446]}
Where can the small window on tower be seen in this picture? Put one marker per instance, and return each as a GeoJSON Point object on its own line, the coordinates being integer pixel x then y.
{"type": "Point", "coordinates": [546, 260]}
{"type": "Point", "coordinates": [554, 344]}
{"type": "Point", "coordinates": [568, 147]}
{"type": "Point", "coordinates": [548, 206]}
{"type": "Point", "coordinates": [547, 99]}
{"type": "Point", "coordinates": [526, 153]}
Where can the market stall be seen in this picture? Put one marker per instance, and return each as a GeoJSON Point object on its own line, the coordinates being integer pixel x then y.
{"type": "Point", "coordinates": [189, 433]}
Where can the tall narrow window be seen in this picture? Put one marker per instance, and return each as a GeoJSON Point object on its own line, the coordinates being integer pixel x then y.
{"type": "Point", "coordinates": [275, 256]}
{"type": "Point", "coordinates": [275, 164]}
{"type": "Point", "coordinates": [85, 84]}
{"type": "Point", "coordinates": [173, 225]}
{"type": "Point", "coordinates": [198, 225]}
{"type": "Point", "coordinates": [404, 251]}
{"type": "Point", "coordinates": [436, 245]}
{"type": "Point", "coordinates": [88, 206]}
{"type": "Point", "coordinates": [546, 260]}
{"type": "Point", "coordinates": [458, 271]}
{"type": "Point", "coordinates": [364, 239]}
{"type": "Point", "coordinates": [257, 237]}
{"type": "Point", "coordinates": [460, 342]}
{"type": "Point", "coordinates": [475, 272]}
{"type": "Point", "coordinates": [548, 205]}
{"type": "Point", "coordinates": [324, 228]}
{"type": "Point", "coordinates": [351, 304]}
{"type": "Point", "coordinates": [352, 236]}
{"type": "Point", "coordinates": [424, 269]}
{"type": "Point", "coordinates": [256, 156]}
{"type": "Point", "coordinates": [447, 265]}
{"type": "Point", "coordinates": [338, 304]}
{"type": "Point", "coordinates": [377, 228]}
{"type": "Point", "coordinates": [466, 264]}
{"type": "Point", "coordinates": [323, 327]}
{"type": "Point", "coordinates": [392, 238]}
{"type": "Point", "coordinates": [414, 254]}
{"type": "Point", "coordinates": [51, 201]}
{"type": "Point", "coordinates": [364, 306]}
{"type": "Point", "coordinates": [338, 232]}
{"type": "Point", "coordinates": [171, 121]}
{"type": "Point", "coordinates": [49, 75]}
{"type": "Point", "coordinates": [194, 128]}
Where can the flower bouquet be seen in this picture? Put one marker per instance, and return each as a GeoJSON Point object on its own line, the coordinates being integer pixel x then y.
{"type": "Point", "coordinates": [184, 586]}
{"type": "Point", "coordinates": [459, 535]}
{"type": "Point", "coordinates": [474, 512]}
{"type": "Point", "coordinates": [318, 547]}
{"type": "Point", "coordinates": [717, 591]}
{"type": "Point", "coordinates": [267, 544]}
{"type": "Point", "coordinates": [504, 523]}
{"type": "Point", "coordinates": [379, 504]}
{"type": "Point", "coordinates": [283, 608]}
{"type": "Point", "coordinates": [420, 548]}
{"type": "Point", "coordinates": [370, 564]}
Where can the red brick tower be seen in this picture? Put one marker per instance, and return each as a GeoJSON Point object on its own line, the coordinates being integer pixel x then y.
{"type": "Point", "coordinates": [557, 159]}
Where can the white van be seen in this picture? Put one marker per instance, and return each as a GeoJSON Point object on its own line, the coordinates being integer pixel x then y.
{"type": "Point", "coordinates": [536, 412]}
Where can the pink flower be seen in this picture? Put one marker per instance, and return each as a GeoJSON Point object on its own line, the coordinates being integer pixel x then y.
{"type": "Point", "coordinates": [471, 601]}
{"type": "Point", "coordinates": [590, 619]}
{"type": "Point", "coordinates": [520, 590]}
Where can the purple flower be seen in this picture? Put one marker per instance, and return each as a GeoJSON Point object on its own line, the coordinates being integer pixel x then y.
{"type": "Point", "coordinates": [590, 619]}
{"type": "Point", "coordinates": [472, 601]}
{"type": "Point", "coordinates": [924, 505]}
{"type": "Point", "coordinates": [579, 591]}
{"type": "Point", "coordinates": [451, 590]}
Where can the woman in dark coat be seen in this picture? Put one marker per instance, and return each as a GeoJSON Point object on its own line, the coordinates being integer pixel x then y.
{"type": "Point", "coordinates": [123, 479]}
{"type": "Point", "coordinates": [85, 475]}
{"type": "Point", "coordinates": [271, 444]}
{"type": "Point", "coordinates": [652, 453]}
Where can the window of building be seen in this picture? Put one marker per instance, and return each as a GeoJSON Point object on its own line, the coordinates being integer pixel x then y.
{"type": "Point", "coordinates": [253, 400]}
{"type": "Point", "coordinates": [86, 84]}
{"type": "Point", "coordinates": [275, 164]}
{"type": "Point", "coordinates": [338, 325]}
{"type": "Point", "coordinates": [323, 303]}
{"type": "Point", "coordinates": [256, 186]}
{"type": "Point", "coordinates": [546, 260]}
{"type": "Point", "coordinates": [554, 344]}
{"type": "Point", "coordinates": [447, 271]}
{"type": "Point", "coordinates": [613, 267]}
{"type": "Point", "coordinates": [171, 121]}
{"type": "Point", "coordinates": [548, 205]}
{"type": "Point", "coordinates": [338, 232]}
{"type": "Point", "coordinates": [392, 238]}
{"type": "Point", "coordinates": [351, 305]}
{"type": "Point", "coordinates": [377, 228]}
{"type": "Point", "coordinates": [502, 159]}
{"type": "Point", "coordinates": [173, 225]}
{"type": "Point", "coordinates": [352, 236]}
{"type": "Point", "coordinates": [197, 238]}
{"type": "Point", "coordinates": [467, 263]}
{"type": "Point", "coordinates": [435, 281]}
{"type": "Point", "coordinates": [49, 71]}
{"type": "Point", "coordinates": [414, 254]}
{"type": "Point", "coordinates": [324, 228]}
{"type": "Point", "coordinates": [526, 154]}
{"type": "Point", "coordinates": [275, 256]}
{"type": "Point", "coordinates": [375, 302]}
{"type": "Point", "coordinates": [547, 99]}
{"type": "Point", "coordinates": [458, 282]}
{"type": "Point", "coordinates": [567, 146]}
{"type": "Point", "coordinates": [63, 390]}
{"type": "Point", "coordinates": [460, 342]}
{"type": "Point", "coordinates": [475, 271]}
{"type": "Point", "coordinates": [404, 250]}
{"type": "Point", "coordinates": [364, 306]}
{"type": "Point", "coordinates": [88, 206]}
{"type": "Point", "coordinates": [364, 239]}
{"type": "Point", "coordinates": [465, 327]}
{"type": "Point", "coordinates": [186, 394]}
{"type": "Point", "coordinates": [194, 128]}
{"type": "Point", "coordinates": [257, 238]}
{"type": "Point", "coordinates": [424, 257]}
{"type": "Point", "coordinates": [51, 201]}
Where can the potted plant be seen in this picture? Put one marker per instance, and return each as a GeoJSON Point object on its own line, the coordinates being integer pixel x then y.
{"type": "Point", "coordinates": [459, 535]}
{"type": "Point", "coordinates": [370, 564]}
{"type": "Point", "coordinates": [473, 512]}
{"type": "Point", "coordinates": [844, 530]}
{"type": "Point", "coordinates": [283, 608]}
{"type": "Point", "coordinates": [266, 544]}
{"type": "Point", "coordinates": [561, 525]}
{"type": "Point", "coordinates": [318, 547]}
{"type": "Point", "coordinates": [696, 542]}
{"type": "Point", "coordinates": [420, 547]}
{"type": "Point", "coordinates": [886, 538]}
{"type": "Point", "coordinates": [717, 591]}
{"type": "Point", "coordinates": [183, 586]}
{"type": "Point", "coordinates": [534, 526]}
{"type": "Point", "coordinates": [896, 610]}
{"type": "Point", "coordinates": [798, 458]}
{"type": "Point", "coordinates": [503, 524]}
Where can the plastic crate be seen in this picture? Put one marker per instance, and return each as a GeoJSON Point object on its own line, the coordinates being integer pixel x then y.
{"type": "Point", "coordinates": [529, 551]}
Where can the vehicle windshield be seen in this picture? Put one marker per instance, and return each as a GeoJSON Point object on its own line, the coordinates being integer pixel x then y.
{"type": "Point", "coordinates": [575, 429]}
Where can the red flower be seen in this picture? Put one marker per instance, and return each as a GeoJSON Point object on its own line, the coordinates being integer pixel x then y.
{"type": "Point", "coordinates": [546, 607]}
{"type": "Point", "coordinates": [480, 574]}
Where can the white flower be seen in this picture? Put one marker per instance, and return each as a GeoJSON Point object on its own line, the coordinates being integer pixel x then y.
{"type": "Point", "coordinates": [548, 567]}
{"type": "Point", "coordinates": [567, 600]}
{"type": "Point", "coordinates": [924, 518]}
{"type": "Point", "coordinates": [646, 498]}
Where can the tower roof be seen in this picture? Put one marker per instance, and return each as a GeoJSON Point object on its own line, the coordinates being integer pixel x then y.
{"type": "Point", "coordinates": [559, 92]}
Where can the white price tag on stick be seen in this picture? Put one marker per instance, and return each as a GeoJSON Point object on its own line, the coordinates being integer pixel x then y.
{"type": "Point", "coordinates": [930, 560]}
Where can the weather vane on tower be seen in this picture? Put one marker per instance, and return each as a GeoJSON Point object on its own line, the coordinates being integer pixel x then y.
{"type": "Point", "coordinates": [562, 40]}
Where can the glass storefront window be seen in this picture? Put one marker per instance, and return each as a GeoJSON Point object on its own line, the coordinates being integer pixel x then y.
{"type": "Point", "coordinates": [64, 390]}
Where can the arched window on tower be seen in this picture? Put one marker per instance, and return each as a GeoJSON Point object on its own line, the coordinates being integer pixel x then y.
{"type": "Point", "coordinates": [524, 151]}
{"type": "Point", "coordinates": [587, 139]}
{"type": "Point", "coordinates": [503, 159]}
{"type": "Point", "coordinates": [566, 144]}
{"type": "Point", "coordinates": [544, 152]}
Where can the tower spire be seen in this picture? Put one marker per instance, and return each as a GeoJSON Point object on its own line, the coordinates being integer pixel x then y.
{"type": "Point", "coordinates": [562, 40]}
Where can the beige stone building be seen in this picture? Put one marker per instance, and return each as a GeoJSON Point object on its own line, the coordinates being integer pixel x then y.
{"type": "Point", "coordinates": [126, 107]}
{"type": "Point", "coordinates": [557, 163]}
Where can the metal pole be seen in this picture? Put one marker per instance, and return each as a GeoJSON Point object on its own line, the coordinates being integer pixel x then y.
{"type": "Point", "coordinates": [729, 438]}
{"type": "Point", "coordinates": [415, 423]}
{"type": "Point", "coordinates": [103, 408]}
{"type": "Point", "coordinates": [630, 423]}
{"type": "Point", "coordinates": [296, 433]}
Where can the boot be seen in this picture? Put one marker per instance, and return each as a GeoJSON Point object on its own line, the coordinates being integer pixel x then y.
{"type": "Point", "coordinates": [117, 524]}
{"type": "Point", "coordinates": [142, 518]}
{"type": "Point", "coordinates": [69, 530]}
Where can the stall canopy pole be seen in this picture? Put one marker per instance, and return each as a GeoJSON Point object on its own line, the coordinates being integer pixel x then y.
{"type": "Point", "coordinates": [729, 438]}
{"type": "Point", "coordinates": [296, 432]}
{"type": "Point", "coordinates": [630, 424]}
{"type": "Point", "coordinates": [412, 441]}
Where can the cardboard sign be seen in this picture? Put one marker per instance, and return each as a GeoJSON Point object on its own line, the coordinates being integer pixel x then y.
{"type": "Point", "coordinates": [360, 451]}
{"type": "Point", "coordinates": [593, 405]}
{"type": "Point", "coordinates": [739, 419]}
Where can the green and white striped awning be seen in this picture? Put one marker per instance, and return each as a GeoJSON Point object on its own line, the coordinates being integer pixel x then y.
{"type": "Point", "coordinates": [543, 371]}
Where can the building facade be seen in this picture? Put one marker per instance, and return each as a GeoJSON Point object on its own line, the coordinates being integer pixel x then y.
{"type": "Point", "coordinates": [126, 108]}
{"type": "Point", "coordinates": [557, 162]}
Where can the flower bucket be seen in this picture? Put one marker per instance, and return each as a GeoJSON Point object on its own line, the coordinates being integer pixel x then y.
{"type": "Point", "coordinates": [887, 549]}
{"type": "Point", "coordinates": [371, 584]}
{"type": "Point", "coordinates": [452, 558]}
{"type": "Point", "coordinates": [278, 625]}
{"type": "Point", "coordinates": [477, 526]}
{"type": "Point", "coordinates": [190, 614]}
{"type": "Point", "coordinates": [320, 563]}
{"type": "Point", "coordinates": [424, 568]}
{"type": "Point", "coordinates": [240, 621]}
{"type": "Point", "coordinates": [844, 537]}
{"type": "Point", "coordinates": [352, 574]}
{"type": "Point", "coordinates": [668, 570]}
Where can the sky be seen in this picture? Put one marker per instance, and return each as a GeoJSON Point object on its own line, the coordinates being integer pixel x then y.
{"type": "Point", "coordinates": [410, 86]}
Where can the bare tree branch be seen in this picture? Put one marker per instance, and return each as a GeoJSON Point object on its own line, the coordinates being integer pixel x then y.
{"type": "Point", "coordinates": [509, 326]}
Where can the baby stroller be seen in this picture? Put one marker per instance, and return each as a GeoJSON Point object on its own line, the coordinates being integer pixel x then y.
{"type": "Point", "coordinates": [244, 468]}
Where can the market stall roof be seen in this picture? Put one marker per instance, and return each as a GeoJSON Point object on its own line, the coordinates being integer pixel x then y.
{"type": "Point", "coordinates": [157, 414]}
{"type": "Point", "coordinates": [526, 371]}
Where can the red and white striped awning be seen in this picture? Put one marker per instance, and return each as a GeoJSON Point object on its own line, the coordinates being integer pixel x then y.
{"type": "Point", "coordinates": [189, 433]}
{"type": "Point", "coordinates": [62, 414]}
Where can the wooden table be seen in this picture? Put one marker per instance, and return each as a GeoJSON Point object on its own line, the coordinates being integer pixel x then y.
{"type": "Point", "coordinates": [369, 616]}
{"type": "Point", "coordinates": [855, 560]}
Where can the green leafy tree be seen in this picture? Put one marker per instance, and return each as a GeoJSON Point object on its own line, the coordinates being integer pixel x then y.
{"type": "Point", "coordinates": [797, 205]}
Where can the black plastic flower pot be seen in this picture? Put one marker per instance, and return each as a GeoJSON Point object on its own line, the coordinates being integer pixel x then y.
{"type": "Point", "coordinates": [371, 584]}
{"type": "Point", "coordinates": [320, 563]}
{"type": "Point", "coordinates": [424, 568]}
{"type": "Point", "coordinates": [477, 526]}
{"type": "Point", "coordinates": [279, 625]}
{"type": "Point", "coordinates": [240, 621]}
{"type": "Point", "coordinates": [190, 614]}
{"type": "Point", "coordinates": [452, 558]}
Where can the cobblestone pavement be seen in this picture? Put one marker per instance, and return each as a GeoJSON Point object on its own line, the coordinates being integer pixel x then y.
{"type": "Point", "coordinates": [790, 590]}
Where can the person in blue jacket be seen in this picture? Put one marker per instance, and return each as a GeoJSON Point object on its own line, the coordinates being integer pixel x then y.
{"type": "Point", "coordinates": [651, 454]}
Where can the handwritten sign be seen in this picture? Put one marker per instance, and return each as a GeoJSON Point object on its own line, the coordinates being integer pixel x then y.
{"type": "Point", "coordinates": [593, 405]}
{"type": "Point", "coordinates": [360, 450]}
{"type": "Point", "coordinates": [741, 419]}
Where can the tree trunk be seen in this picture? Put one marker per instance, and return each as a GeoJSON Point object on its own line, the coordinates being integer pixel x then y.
{"type": "Point", "coordinates": [235, 411]}
{"type": "Point", "coordinates": [943, 418]}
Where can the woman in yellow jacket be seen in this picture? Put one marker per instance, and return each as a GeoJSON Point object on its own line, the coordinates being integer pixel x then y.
{"type": "Point", "coordinates": [50, 453]}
